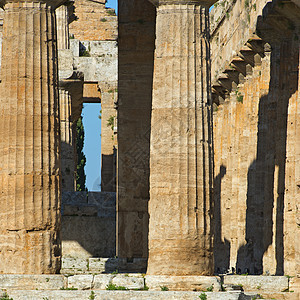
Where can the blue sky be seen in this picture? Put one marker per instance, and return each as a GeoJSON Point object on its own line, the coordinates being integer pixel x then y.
{"type": "Point", "coordinates": [112, 4]}
{"type": "Point", "coordinates": [92, 144]}
{"type": "Point", "coordinates": [92, 141]}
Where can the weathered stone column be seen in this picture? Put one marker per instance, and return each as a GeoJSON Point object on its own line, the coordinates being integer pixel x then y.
{"type": "Point", "coordinates": [29, 140]}
{"type": "Point", "coordinates": [68, 156]}
{"type": "Point", "coordinates": [180, 230]}
{"type": "Point", "coordinates": [68, 160]}
{"type": "Point", "coordinates": [62, 17]}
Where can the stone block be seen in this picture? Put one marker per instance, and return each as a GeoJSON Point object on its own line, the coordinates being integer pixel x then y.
{"type": "Point", "coordinates": [74, 197]}
{"type": "Point", "coordinates": [88, 236]}
{"type": "Point", "coordinates": [138, 265]}
{"type": "Point", "coordinates": [258, 283]}
{"type": "Point", "coordinates": [179, 283]}
{"type": "Point", "coordinates": [101, 281]}
{"type": "Point", "coordinates": [81, 282]}
{"type": "Point", "coordinates": [97, 265]}
{"type": "Point", "coordinates": [31, 282]}
{"type": "Point", "coordinates": [124, 295]}
{"type": "Point", "coordinates": [71, 265]}
{"type": "Point", "coordinates": [129, 281]}
{"type": "Point", "coordinates": [105, 202]}
{"type": "Point", "coordinates": [111, 264]}
{"type": "Point", "coordinates": [294, 284]}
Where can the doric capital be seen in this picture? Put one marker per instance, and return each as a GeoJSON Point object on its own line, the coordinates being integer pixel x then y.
{"type": "Point", "coordinates": [53, 3]}
{"type": "Point", "coordinates": [206, 3]}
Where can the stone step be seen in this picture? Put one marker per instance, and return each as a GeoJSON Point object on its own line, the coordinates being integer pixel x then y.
{"type": "Point", "coordinates": [117, 295]}
{"type": "Point", "coordinates": [141, 286]}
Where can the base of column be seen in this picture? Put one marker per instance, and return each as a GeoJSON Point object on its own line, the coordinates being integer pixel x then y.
{"type": "Point", "coordinates": [32, 252]}
{"type": "Point", "coordinates": [180, 258]}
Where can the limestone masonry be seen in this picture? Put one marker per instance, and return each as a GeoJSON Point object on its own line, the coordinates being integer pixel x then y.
{"type": "Point", "coordinates": [200, 148]}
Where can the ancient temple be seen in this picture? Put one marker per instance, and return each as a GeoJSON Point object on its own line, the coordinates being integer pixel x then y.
{"type": "Point", "coordinates": [200, 160]}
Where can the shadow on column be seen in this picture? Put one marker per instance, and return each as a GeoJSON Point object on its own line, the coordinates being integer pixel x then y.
{"type": "Point", "coordinates": [266, 174]}
{"type": "Point", "coordinates": [221, 248]}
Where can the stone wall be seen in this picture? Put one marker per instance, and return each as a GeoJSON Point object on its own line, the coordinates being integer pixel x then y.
{"type": "Point", "coordinates": [94, 22]}
{"type": "Point", "coordinates": [88, 224]}
{"type": "Point", "coordinates": [256, 149]}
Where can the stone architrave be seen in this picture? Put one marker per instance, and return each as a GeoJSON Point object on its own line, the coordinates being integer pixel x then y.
{"type": "Point", "coordinates": [180, 207]}
{"type": "Point", "coordinates": [29, 140]}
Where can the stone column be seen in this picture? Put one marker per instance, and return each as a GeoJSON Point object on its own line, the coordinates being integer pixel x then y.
{"type": "Point", "coordinates": [29, 140]}
{"type": "Point", "coordinates": [68, 161]}
{"type": "Point", "coordinates": [62, 17]}
{"type": "Point", "coordinates": [180, 229]}
{"type": "Point", "coordinates": [68, 156]}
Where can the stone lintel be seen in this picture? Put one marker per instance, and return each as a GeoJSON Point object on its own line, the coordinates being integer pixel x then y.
{"type": "Point", "coordinates": [206, 3]}
{"type": "Point", "coordinates": [53, 3]}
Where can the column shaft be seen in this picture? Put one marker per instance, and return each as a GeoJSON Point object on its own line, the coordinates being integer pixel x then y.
{"type": "Point", "coordinates": [68, 161]}
{"type": "Point", "coordinates": [180, 235]}
{"type": "Point", "coordinates": [62, 17]}
{"type": "Point", "coordinates": [29, 141]}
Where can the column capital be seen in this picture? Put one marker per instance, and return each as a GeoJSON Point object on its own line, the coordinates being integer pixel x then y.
{"type": "Point", "coordinates": [206, 3]}
{"type": "Point", "coordinates": [53, 3]}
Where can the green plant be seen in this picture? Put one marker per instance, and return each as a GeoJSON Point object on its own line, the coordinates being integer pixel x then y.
{"type": "Point", "coordinates": [5, 297]}
{"type": "Point", "coordinates": [203, 296]}
{"type": "Point", "coordinates": [239, 98]}
{"type": "Point", "coordinates": [111, 12]}
{"type": "Point", "coordinates": [47, 279]}
{"type": "Point", "coordinates": [84, 53]}
{"type": "Point", "coordinates": [258, 287]}
{"type": "Point", "coordinates": [81, 159]}
{"type": "Point", "coordinates": [71, 37]}
{"type": "Point", "coordinates": [92, 295]}
{"type": "Point", "coordinates": [103, 20]}
{"type": "Point", "coordinates": [164, 288]}
{"type": "Point", "coordinates": [110, 122]}
{"type": "Point", "coordinates": [227, 15]}
{"type": "Point", "coordinates": [45, 298]}
{"type": "Point", "coordinates": [258, 296]}
{"type": "Point", "coordinates": [113, 287]}
{"type": "Point", "coordinates": [100, 116]}
{"type": "Point", "coordinates": [210, 289]}
{"type": "Point", "coordinates": [69, 288]}
{"type": "Point", "coordinates": [254, 6]}
{"type": "Point", "coordinates": [246, 3]}
{"type": "Point", "coordinates": [223, 289]}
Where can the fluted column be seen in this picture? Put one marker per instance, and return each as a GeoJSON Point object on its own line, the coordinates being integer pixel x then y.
{"type": "Point", "coordinates": [29, 140]}
{"type": "Point", "coordinates": [62, 17]}
{"type": "Point", "coordinates": [180, 208]}
{"type": "Point", "coordinates": [68, 156]}
{"type": "Point", "coordinates": [67, 142]}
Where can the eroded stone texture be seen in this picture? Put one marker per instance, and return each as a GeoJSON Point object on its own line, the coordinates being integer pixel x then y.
{"type": "Point", "coordinates": [180, 231]}
{"type": "Point", "coordinates": [255, 141]}
{"type": "Point", "coordinates": [136, 48]}
{"type": "Point", "coordinates": [68, 161]}
{"type": "Point", "coordinates": [93, 21]}
{"type": "Point", "coordinates": [29, 141]}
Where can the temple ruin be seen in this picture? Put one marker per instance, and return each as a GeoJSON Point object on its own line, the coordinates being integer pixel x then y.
{"type": "Point", "coordinates": [200, 140]}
